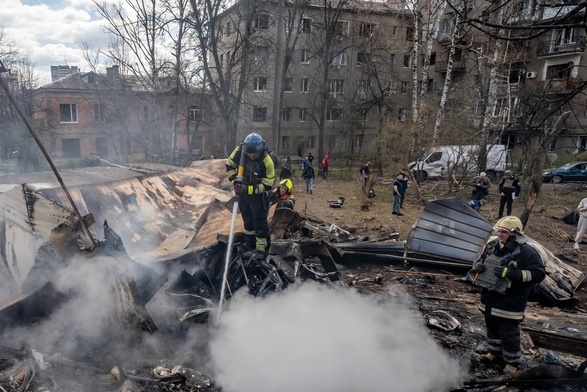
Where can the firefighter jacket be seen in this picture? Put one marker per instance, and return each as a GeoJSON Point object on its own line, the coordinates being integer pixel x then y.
{"type": "Point", "coordinates": [284, 200]}
{"type": "Point", "coordinates": [259, 172]}
{"type": "Point", "coordinates": [512, 303]}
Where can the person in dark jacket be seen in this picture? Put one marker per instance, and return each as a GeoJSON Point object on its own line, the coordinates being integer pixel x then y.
{"type": "Point", "coordinates": [309, 175]}
{"type": "Point", "coordinates": [481, 185]}
{"type": "Point", "coordinates": [397, 190]}
{"type": "Point", "coordinates": [515, 267]}
{"type": "Point", "coordinates": [251, 188]}
{"type": "Point", "coordinates": [509, 189]}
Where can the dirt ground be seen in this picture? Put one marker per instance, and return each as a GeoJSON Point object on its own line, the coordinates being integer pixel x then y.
{"type": "Point", "coordinates": [442, 290]}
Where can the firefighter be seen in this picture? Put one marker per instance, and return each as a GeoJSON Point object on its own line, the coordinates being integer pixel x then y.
{"type": "Point", "coordinates": [252, 189]}
{"type": "Point", "coordinates": [283, 195]}
{"type": "Point", "coordinates": [516, 268]}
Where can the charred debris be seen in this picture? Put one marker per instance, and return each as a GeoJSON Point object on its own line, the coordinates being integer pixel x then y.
{"type": "Point", "coordinates": [113, 317]}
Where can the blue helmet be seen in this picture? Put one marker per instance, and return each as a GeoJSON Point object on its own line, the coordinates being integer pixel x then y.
{"type": "Point", "coordinates": [254, 143]}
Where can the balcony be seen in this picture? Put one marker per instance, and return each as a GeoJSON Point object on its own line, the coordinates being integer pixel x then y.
{"type": "Point", "coordinates": [457, 66]}
{"type": "Point", "coordinates": [551, 48]}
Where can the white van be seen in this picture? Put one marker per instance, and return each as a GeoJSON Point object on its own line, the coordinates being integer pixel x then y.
{"type": "Point", "coordinates": [462, 159]}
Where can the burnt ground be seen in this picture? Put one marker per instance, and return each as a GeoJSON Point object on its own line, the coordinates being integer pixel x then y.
{"type": "Point", "coordinates": [435, 289]}
{"type": "Point", "coordinates": [431, 289]}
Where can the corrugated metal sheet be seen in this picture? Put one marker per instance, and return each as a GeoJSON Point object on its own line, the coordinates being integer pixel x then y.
{"type": "Point", "coordinates": [451, 229]}
{"type": "Point", "coordinates": [159, 216]}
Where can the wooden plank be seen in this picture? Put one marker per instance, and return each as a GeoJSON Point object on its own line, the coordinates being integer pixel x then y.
{"type": "Point", "coordinates": [557, 341]}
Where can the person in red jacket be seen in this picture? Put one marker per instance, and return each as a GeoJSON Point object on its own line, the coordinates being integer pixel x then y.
{"type": "Point", "coordinates": [325, 167]}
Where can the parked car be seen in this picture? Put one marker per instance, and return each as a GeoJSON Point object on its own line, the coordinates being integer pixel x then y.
{"type": "Point", "coordinates": [574, 171]}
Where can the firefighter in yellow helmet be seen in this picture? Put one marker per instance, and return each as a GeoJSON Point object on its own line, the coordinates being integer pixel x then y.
{"type": "Point", "coordinates": [515, 267]}
{"type": "Point", "coordinates": [282, 195]}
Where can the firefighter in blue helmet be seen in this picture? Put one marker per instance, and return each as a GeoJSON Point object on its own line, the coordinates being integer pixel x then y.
{"type": "Point", "coordinates": [252, 187]}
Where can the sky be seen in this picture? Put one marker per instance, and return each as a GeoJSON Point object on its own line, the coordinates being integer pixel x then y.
{"type": "Point", "coordinates": [48, 32]}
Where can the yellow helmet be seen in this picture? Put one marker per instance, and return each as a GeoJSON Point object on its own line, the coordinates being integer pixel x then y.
{"type": "Point", "coordinates": [511, 224]}
{"type": "Point", "coordinates": [287, 184]}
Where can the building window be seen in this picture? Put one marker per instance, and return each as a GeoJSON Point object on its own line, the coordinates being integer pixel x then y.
{"type": "Point", "coordinates": [336, 86]}
{"type": "Point", "coordinates": [303, 115]}
{"type": "Point", "coordinates": [259, 114]}
{"type": "Point", "coordinates": [366, 30]}
{"type": "Point", "coordinates": [508, 140]}
{"type": "Point", "coordinates": [407, 60]}
{"type": "Point", "coordinates": [306, 25]}
{"type": "Point", "coordinates": [559, 71]}
{"type": "Point", "coordinates": [458, 55]}
{"type": "Point", "coordinates": [228, 29]}
{"type": "Point", "coordinates": [339, 59]}
{"type": "Point", "coordinates": [286, 114]}
{"type": "Point", "coordinates": [364, 114]}
{"type": "Point", "coordinates": [402, 114]}
{"type": "Point", "coordinates": [409, 33]}
{"type": "Point", "coordinates": [68, 112]}
{"type": "Point", "coordinates": [392, 60]}
{"type": "Point", "coordinates": [304, 85]}
{"type": "Point", "coordinates": [552, 146]}
{"type": "Point", "coordinates": [285, 142]}
{"type": "Point", "coordinates": [102, 146]}
{"type": "Point", "coordinates": [362, 89]}
{"type": "Point", "coordinates": [261, 21]}
{"type": "Point", "coordinates": [312, 142]}
{"type": "Point", "coordinates": [582, 144]}
{"type": "Point", "coordinates": [288, 85]}
{"type": "Point", "coordinates": [334, 114]}
{"type": "Point", "coordinates": [430, 86]}
{"type": "Point", "coordinates": [432, 58]}
{"type": "Point", "coordinates": [71, 148]}
{"type": "Point", "coordinates": [363, 58]}
{"type": "Point", "coordinates": [99, 112]}
{"type": "Point", "coordinates": [564, 36]}
{"type": "Point", "coordinates": [305, 56]}
{"type": "Point", "coordinates": [404, 88]}
{"type": "Point", "coordinates": [195, 113]}
{"type": "Point", "coordinates": [393, 86]}
{"type": "Point", "coordinates": [341, 28]}
{"type": "Point", "coordinates": [260, 84]}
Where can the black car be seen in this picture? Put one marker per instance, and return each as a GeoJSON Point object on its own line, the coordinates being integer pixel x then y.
{"type": "Point", "coordinates": [574, 171]}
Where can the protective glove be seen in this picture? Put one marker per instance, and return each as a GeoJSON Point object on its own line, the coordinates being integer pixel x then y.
{"type": "Point", "coordinates": [479, 267]}
{"type": "Point", "coordinates": [510, 272]}
{"type": "Point", "coordinates": [238, 187]}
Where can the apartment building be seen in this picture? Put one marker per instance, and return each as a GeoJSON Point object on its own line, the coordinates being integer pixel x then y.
{"type": "Point", "coordinates": [360, 58]}
{"type": "Point", "coordinates": [318, 73]}
{"type": "Point", "coordinates": [120, 119]}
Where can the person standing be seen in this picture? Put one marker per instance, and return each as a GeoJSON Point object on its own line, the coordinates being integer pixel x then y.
{"type": "Point", "coordinates": [517, 267]}
{"type": "Point", "coordinates": [481, 185]}
{"type": "Point", "coordinates": [310, 157]}
{"type": "Point", "coordinates": [509, 189]}
{"type": "Point", "coordinates": [251, 188]}
{"type": "Point", "coordinates": [397, 195]}
{"type": "Point", "coordinates": [582, 224]}
{"type": "Point", "coordinates": [325, 162]}
{"type": "Point", "coordinates": [365, 171]}
{"type": "Point", "coordinates": [309, 176]}
{"type": "Point", "coordinates": [405, 181]}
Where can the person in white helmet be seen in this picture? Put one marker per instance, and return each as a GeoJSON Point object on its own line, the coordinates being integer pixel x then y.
{"type": "Point", "coordinates": [515, 267]}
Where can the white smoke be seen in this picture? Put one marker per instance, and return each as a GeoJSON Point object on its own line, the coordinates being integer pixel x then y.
{"type": "Point", "coordinates": [316, 338]}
